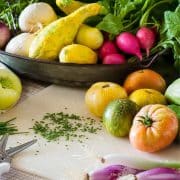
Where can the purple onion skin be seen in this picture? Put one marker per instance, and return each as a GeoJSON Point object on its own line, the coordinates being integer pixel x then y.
{"type": "Point", "coordinates": [112, 172]}
{"type": "Point", "coordinates": [5, 34]}
{"type": "Point", "coordinates": [159, 174]}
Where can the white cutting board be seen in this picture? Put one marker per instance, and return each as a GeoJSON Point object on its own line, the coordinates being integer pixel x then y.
{"type": "Point", "coordinates": [54, 160]}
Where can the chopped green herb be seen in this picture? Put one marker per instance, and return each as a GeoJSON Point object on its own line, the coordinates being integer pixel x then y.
{"type": "Point", "coordinates": [8, 128]}
{"type": "Point", "coordinates": [69, 126]}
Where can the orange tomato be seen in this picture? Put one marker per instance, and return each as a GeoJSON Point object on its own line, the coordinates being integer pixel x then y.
{"type": "Point", "coordinates": [154, 128]}
{"type": "Point", "coordinates": [100, 94]}
{"type": "Point", "coordinates": [145, 78]}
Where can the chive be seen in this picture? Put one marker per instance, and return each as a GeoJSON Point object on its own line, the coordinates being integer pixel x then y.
{"type": "Point", "coordinates": [8, 128]}
{"type": "Point", "coordinates": [54, 126]}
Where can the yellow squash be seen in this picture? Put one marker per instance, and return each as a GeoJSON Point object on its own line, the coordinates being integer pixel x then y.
{"type": "Point", "coordinates": [78, 54]}
{"type": "Point", "coordinates": [90, 37]}
{"type": "Point", "coordinates": [49, 42]}
{"type": "Point", "coordinates": [69, 8]}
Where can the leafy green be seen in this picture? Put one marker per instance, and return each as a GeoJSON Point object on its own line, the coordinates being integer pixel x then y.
{"type": "Point", "coordinates": [170, 34]}
{"type": "Point", "coordinates": [176, 109]}
{"type": "Point", "coordinates": [128, 15]}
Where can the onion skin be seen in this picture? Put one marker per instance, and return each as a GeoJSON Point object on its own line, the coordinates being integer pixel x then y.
{"type": "Point", "coordinates": [159, 174]}
{"type": "Point", "coordinates": [146, 38]}
{"type": "Point", "coordinates": [111, 172]}
{"type": "Point", "coordinates": [5, 34]}
{"type": "Point", "coordinates": [129, 44]}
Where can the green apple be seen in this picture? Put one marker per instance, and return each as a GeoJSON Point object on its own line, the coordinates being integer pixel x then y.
{"type": "Point", "coordinates": [10, 88]}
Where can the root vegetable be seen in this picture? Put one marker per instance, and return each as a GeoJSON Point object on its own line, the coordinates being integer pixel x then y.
{"type": "Point", "coordinates": [114, 59]}
{"type": "Point", "coordinates": [107, 48]}
{"type": "Point", "coordinates": [129, 44]}
{"type": "Point", "coordinates": [146, 38]}
{"type": "Point", "coordinates": [36, 16]}
{"type": "Point", "coordinates": [4, 34]}
{"type": "Point", "coordinates": [20, 44]}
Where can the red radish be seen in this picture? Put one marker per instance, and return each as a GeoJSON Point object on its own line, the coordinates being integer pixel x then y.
{"type": "Point", "coordinates": [146, 38]}
{"type": "Point", "coordinates": [107, 48]}
{"type": "Point", "coordinates": [129, 44]}
{"type": "Point", "coordinates": [4, 34]}
{"type": "Point", "coordinates": [114, 59]}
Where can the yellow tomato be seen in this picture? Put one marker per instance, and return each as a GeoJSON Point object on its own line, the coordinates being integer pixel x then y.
{"type": "Point", "coordinates": [100, 94]}
{"type": "Point", "coordinates": [144, 97]}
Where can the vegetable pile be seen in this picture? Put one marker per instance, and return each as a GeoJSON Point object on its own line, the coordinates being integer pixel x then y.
{"type": "Point", "coordinates": [143, 108]}
{"type": "Point", "coordinates": [106, 31]}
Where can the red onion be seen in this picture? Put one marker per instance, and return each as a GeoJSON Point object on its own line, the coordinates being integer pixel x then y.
{"type": "Point", "coordinates": [4, 34]}
{"type": "Point", "coordinates": [159, 174]}
{"type": "Point", "coordinates": [111, 172]}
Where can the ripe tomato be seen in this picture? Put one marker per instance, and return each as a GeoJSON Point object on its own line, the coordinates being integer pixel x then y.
{"type": "Point", "coordinates": [144, 78]}
{"type": "Point", "coordinates": [154, 128]}
{"type": "Point", "coordinates": [100, 94]}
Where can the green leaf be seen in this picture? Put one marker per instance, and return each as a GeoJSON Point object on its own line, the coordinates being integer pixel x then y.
{"type": "Point", "coordinates": [111, 24]}
{"type": "Point", "coordinates": [176, 109]}
{"type": "Point", "coordinates": [172, 23]}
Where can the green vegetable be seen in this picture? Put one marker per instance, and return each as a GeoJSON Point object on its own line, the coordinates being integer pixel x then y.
{"type": "Point", "coordinates": [170, 34]}
{"type": "Point", "coordinates": [69, 126]}
{"type": "Point", "coordinates": [8, 128]}
{"type": "Point", "coordinates": [128, 15]}
{"type": "Point", "coordinates": [173, 92]}
{"type": "Point", "coordinates": [176, 109]}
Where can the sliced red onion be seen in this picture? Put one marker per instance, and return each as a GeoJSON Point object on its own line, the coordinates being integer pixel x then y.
{"type": "Point", "coordinates": [159, 174]}
{"type": "Point", "coordinates": [111, 172]}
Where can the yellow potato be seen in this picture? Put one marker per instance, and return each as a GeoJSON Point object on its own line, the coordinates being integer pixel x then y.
{"type": "Point", "coordinates": [78, 54]}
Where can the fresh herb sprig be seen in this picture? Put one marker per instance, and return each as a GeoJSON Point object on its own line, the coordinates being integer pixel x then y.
{"type": "Point", "coordinates": [8, 128]}
{"type": "Point", "coordinates": [10, 11]}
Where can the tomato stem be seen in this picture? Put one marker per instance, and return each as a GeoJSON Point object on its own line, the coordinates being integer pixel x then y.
{"type": "Point", "coordinates": [106, 86]}
{"type": "Point", "coordinates": [146, 120]}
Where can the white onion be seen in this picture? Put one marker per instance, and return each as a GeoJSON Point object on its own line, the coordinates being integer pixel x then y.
{"type": "Point", "coordinates": [20, 44]}
{"type": "Point", "coordinates": [36, 16]}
